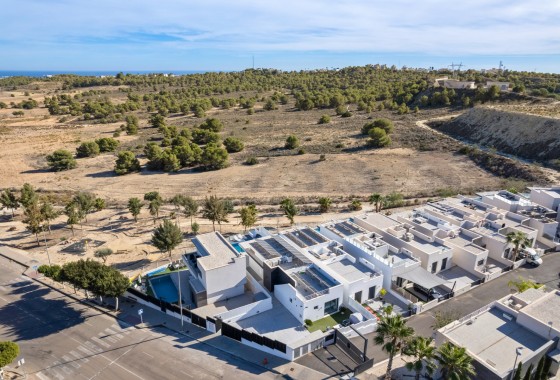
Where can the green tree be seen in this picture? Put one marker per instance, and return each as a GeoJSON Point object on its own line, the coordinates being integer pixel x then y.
{"type": "Point", "coordinates": [292, 142]}
{"type": "Point", "coordinates": [376, 200]}
{"type": "Point", "coordinates": [355, 205]}
{"type": "Point", "coordinates": [233, 145]}
{"type": "Point", "coordinates": [519, 241]}
{"type": "Point", "coordinates": [71, 210]}
{"type": "Point", "coordinates": [9, 200]}
{"type": "Point", "coordinates": [154, 207]}
{"type": "Point", "coordinates": [213, 125]}
{"type": "Point", "coordinates": [126, 163]}
{"type": "Point", "coordinates": [190, 207]}
{"type": "Point", "coordinates": [107, 144]}
{"type": "Point", "coordinates": [214, 209]}
{"type": "Point", "coordinates": [169, 161]}
{"type": "Point", "coordinates": [103, 253]}
{"type": "Point", "coordinates": [248, 216]}
{"type": "Point", "coordinates": [270, 105]}
{"type": "Point", "coordinates": [454, 362]}
{"type": "Point", "coordinates": [203, 137]}
{"type": "Point", "coordinates": [33, 219]}
{"type": "Point", "coordinates": [378, 138]}
{"type": "Point", "coordinates": [518, 372]}
{"type": "Point", "coordinates": [28, 195]}
{"type": "Point", "coordinates": [157, 121]}
{"type": "Point", "coordinates": [214, 157]}
{"type": "Point", "coordinates": [528, 373]}
{"type": "Point", "coordinates": [167, 237]}
{"type": "Point", "coordinates": [393, 199]}
{"type": "Point", "coordinates": [325, 204]}
{"type": "Point", "coordinates": [85, 202]}
{"type": "Point", "coordinates": [546, 368]}
{"type": "Point", "coordinates": [9, 351]}
{"type": "Point", "coordinates": [195, 227]}
{"type": "Point", "coordinates": [290, 209]}
{"type": "Point", "coordinates": [153, 195]}
{"type": "Point", "coordinates": [135, 206]}
{"type": "Point", "coordinates": [131, 127]}
{"type": "Point", "coordinates": [61, 160]}
{"type": "Point", "coordinates": [539, 370]}
{"type": "Point", "coordinates": [423, 351]}
{"type": "Point", "coordinates": [87, 149]}
{"type": "Point", "coordinates": [392, 334]}
{"type": "Point", "coordinates": [48, 213]}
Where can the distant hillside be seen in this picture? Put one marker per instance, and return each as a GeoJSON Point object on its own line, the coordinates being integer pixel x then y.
{"type": "Point", "coordinates": [520, 134]}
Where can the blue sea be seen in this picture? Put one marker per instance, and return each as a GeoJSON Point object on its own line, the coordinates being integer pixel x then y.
{"type": "Point", "coordinates": [44, 73]}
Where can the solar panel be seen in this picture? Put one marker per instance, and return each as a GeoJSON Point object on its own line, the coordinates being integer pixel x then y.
{"type": "Point", "coordinates": [318, 238]}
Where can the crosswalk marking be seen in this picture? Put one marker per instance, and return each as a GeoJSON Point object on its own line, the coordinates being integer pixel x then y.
{"type": "Point", "coordinates": [78, 356]}
{"type": "Point", "coordinates": [93, 347]}
{"type": "Point", "coordinates": [86, 351]}
{"type": "Point", "coordinates": [71, 361]}
{"type": "Point", "coordinates": [100, 342]}
{"type": "Point", "coordinates": [41, 376]}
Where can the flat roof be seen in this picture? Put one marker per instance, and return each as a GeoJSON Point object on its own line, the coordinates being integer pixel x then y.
{"type": "Point", "coordinates": [351, 271]}
{"type": "Point", "coordinates": [305, 237]}
{"type": "Point", "coordinates": [310, 281]}
{"type": "Point", "coordinates": [546, 309]}
{"type": "Point", "coordinates": [379, 220]}
{"type": "Point", "coordinates": [344, 228]}
{"type": "Point", "coordinates": [464, 241]}
{"type": "Point", "coordinates": [427, 246]}
{"type": "Point", "coordinates": [493, 338]}
{"type": "Point", "coordinates": [214, 250]}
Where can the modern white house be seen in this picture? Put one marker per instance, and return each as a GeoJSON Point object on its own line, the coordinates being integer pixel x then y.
{"type": "Point", "coordinates": [503, 86]}
{"type": "Point", "coordinates": [217, 271]}
{"type": "Point", "coordinates": [519, 328]}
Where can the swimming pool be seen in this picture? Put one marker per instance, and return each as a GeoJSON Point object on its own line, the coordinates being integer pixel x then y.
{"type": "Point", "coordinates": [238, 247]}
{"type": "Point", "coordinates": [156, 271]}
{"type": "Point", "coordinates": [164, 289]}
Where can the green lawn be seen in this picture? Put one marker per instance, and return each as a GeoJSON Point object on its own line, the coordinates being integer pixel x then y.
{"type": "Point", "coordinates": [328, 321]}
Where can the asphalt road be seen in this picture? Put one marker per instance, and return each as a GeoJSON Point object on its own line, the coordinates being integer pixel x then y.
{"type": "Point", "coordinates": [466, 303]}
{"type": "Point", "coordinates": [61, 338]}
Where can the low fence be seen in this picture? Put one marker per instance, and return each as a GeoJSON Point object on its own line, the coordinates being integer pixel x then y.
{"type": "Point", "coordinates": [405, 296]}
{"type": "Point", "coordinates": [492, 276]}
{"type": "Point", "coordinates": [357, 354]}
{"type": "Point", "coordinates": [251, 339]}
{"type": "Point", "coordinates": [356, 307]}
{"type": "Point", "coordinates": [166, 307]}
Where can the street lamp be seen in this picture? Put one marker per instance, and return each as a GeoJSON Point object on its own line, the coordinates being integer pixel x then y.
{"type": "Point", "coordinates": [180, 296]}
{"type": "Point", "coordinates": [517, 355]}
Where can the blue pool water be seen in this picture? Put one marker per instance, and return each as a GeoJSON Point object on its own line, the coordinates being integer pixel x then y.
{"type": "Point", "coordinates": [156, 271]}
{"type": "Point", "coordinates": [238, 247]}
{"type": "Point", "coordinates": [164, 289]}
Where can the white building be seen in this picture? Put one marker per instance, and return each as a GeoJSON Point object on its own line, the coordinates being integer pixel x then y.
{"type": "Point", "coordinates": [217, 269]}
{"type": "Point", "coordinates": [520, 328]}
{"type": "Point", "coordinates": [503, 86]}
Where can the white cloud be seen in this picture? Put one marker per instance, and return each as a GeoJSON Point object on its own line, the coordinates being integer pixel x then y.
{"type": "Point", "coordinates": [428, 26]}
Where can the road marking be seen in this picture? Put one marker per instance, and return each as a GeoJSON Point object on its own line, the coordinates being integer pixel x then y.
{"type": "Point", "coordinates": [78, 356]}
{"type": "Point", "coordinates": [145, 353]}
{"type": "Point", "coordinates": [103, 337]}
{"type": "Point", "coordinates": [71, 361]}
{"type": "Point", "coordinates": [110, 332]}
{"type": "Point", "coordinates": [93, 347]}
{"type": "Point", "coordinates": [86, 351]}
{"type": "Point", "coordinates": [100, 342]}
{"type": "Point", "coordinates": [41, 376]}
{"type": "Point", "coordinates": [184, 373]}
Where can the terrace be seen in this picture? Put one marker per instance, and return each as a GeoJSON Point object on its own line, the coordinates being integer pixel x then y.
{"type": "Point", "coordinates": [345, 228]}
{"type": "Point", "coordinates": [352, 272]}
{"type": "Point", "coordinates": [310, 282]}
{"type": "Point", "coordinates": [305, 237]}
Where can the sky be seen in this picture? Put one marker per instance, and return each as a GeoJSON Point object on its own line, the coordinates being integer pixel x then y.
{"type": "Point", "coordinates": [219, 35]}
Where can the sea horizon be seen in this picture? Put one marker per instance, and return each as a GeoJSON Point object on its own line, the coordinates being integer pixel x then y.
{"type": "Point", "coordinates": [96, 73]}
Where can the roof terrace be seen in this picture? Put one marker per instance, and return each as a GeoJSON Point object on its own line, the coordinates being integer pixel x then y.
{"type": "Point", "coordinates": [311, 282]}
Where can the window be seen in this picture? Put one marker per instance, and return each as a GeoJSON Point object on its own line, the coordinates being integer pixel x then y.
{"type": "Point", "coordinates": [443, 263]}
{"type": "Point", "coordinates": [480, 262]}
{"type": "Point", "coordinates": [316, 307]}
{"type": "Point", "coordinates": [331, 306]}
{"type": "Point", "coordinates": [434, 267]}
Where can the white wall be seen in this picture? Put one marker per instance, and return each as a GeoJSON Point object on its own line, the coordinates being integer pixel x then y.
{"type": "Point", "coordinates": [468, 260]}
{"type": "Point", "coordinates": [227, 281]}
{"type": "Point", "coordinates": [313, 308]}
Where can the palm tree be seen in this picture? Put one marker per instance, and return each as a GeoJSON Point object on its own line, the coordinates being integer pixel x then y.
{"type": "Point", "coordinates": [290, 209]}
{"type": "Point", "coordinates": [215, 211]}
{"type": "Point", "coordinates": [376, 200]}
{"type": "Point", "coordinates": [424, 352]}
{"type": "Point", "coordinates": [454, 362]}
{"type": "Point", "coordinates": [325, 204]}
{"type": "Point", "coordinates": [519, 240]}
{"type": "Point", "coordinates": [392, 333]}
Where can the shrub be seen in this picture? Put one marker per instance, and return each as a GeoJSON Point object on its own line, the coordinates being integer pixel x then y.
{"type": "Point", "coordinates": [202, 136]}
{"type": "Point", "coordinates": [309, 322]}
{"type": "Point", "coordinates": [233, 145]}
{"type": "Point", "coordinates": [322, 157]}
{"type": "Point", "coordinates": [214, 157]}
{"type": "Point", "coordinates": [292, 142]}
{"type": "Point", "coordinates": [107, 144]}
{"type": "Point", "coordinates": [213, 125]}
{"type": "Point", "coordinates": [355, 205]}
{"type": "Point", "coordinates": [301, 151]}
{"type": "Point", "coordinates": [346, 114]}
{"type": "Point", "coordinates": [126, 163]}
{"type": "Point", "coordinates": [251, 160]}
{"type": "Point", "coordinates": [61, 160]}
{"type": "Point", "coordinates": [87, 149]}
{"type": "Point", "coordinates": [385, 124]}
{"type": "Point", "coordinates": [378, 138]}
{"type": "Point", "coordinates": [325, 119]}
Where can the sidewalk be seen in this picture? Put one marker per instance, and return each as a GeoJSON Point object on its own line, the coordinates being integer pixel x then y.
{"type": "Point", "coordinates": [399, 371]}
{"type": "Point", "coordinates": [128, 313]}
